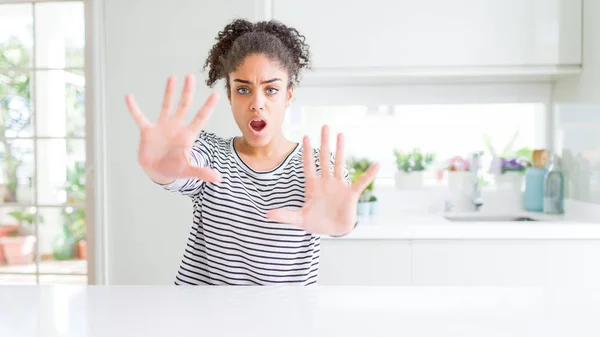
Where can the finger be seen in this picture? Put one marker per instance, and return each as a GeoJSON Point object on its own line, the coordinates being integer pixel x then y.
{"type": "Point", "coordinates": [293, 217]}
{"type": "Point", "coordinates": [135, 111]}
{"type": "Point", "coordinates": [167, 99]}
{"type": "Point", "coordinates": [203, 173]}
{"type": "Point", "coordinates": [339, 157]}
{"type": "Point", "coordinates": [365, 179]}
{"type": "Point", "coordinates": [186, 96]}
{"type": "Point", "coordinates": [324, 153]}
{"type": "Point", "coordinates": [204, 113]}
{"type": "Point", "coordinates": [308, 160]}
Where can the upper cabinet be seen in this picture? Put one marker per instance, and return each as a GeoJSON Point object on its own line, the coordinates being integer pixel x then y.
{"type": "Point", "coordinates": [408, 35]}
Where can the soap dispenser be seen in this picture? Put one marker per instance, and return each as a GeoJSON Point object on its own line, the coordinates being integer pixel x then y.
{"type": "Point", "coordinates": [533, 196]}
{"type": "Point", "coordinates": [554, 187]}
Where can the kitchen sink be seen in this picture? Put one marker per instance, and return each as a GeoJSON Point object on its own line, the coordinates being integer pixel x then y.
{"type": "Point", "coordinates": [484, 218]}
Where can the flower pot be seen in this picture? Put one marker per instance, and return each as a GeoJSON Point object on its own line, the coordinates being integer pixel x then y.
{"type": "Point", "coordinates": [363, 208]}
{"type": "Point", "coordinates": [4, 231]}
{"type": "Point", "coordinates": [459, 180]}
{"type": "Point", "coordinates": [372, 207]}
{"type": "Point", "coordinates": [82, 249]}
{"type": "Point", "coordinates": [412, 180]}
{"type": "Point", "coordinates": [511, 180]}
{"type": "Point", "coordinates": [19, 250]}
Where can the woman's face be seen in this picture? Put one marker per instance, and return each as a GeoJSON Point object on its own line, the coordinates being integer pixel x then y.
{"type": "Point", "coordinates": [259, 96]}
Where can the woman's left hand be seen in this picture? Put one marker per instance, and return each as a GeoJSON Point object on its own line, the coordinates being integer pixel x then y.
{"type": "Point", "coordinates": [330, 202]}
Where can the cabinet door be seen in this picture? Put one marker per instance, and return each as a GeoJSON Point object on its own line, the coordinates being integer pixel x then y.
{"type": "Point", "coordinates": [506, 262]}
{"type": "Point", "coordinates": [364, 262]}
{"type": "Point", "coordinates": [432, 33]}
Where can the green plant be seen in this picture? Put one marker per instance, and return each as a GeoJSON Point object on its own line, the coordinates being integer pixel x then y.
{"type": "Point", "coordinates": [356, 168]}
{"type": "Point", "coordinates": [75, 188]}
{"type": "Point", "coordinates": [15, 109]}
{"type": "Point", "coordinates": [23, 216]}
{"type": "Point", "coordinates": [413, 161]}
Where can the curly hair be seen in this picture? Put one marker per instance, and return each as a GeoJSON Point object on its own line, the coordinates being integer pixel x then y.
{"type": "Point", "coordinates": [240, 38]}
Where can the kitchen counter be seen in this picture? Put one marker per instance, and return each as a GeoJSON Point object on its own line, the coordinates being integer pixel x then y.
{"type": "Point", "coordinates": [149, 311]}
{"type": "Point", "coordinates": [437, 227]}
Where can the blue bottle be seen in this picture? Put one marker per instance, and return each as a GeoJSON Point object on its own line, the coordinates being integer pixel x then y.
{"type": "Point", "coordinates": [554, 187]}
{"type": "Point", "coordinates": [533, 196]}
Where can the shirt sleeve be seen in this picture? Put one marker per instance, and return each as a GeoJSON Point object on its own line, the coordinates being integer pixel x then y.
{"type": "Point", "coordinates": [201, 155]}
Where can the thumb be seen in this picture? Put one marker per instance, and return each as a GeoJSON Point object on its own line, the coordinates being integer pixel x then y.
{"type": "Point", "coordinates": [202, 173]}
{"type": "Point", "coordinates": [286, 216]}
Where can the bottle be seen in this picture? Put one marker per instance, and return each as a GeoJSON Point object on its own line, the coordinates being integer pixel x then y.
{"type": "Point", "coordinates": [533, 196]}
{"type": "Point", "coordinates": [554, 185]}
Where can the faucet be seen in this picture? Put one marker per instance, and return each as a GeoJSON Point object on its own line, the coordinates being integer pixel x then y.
{"type": "Point", "coordinates": [476, 201]}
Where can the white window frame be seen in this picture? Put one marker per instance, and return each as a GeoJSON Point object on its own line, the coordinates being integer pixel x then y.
{"type": "Point", "coordinates": [95, 136]}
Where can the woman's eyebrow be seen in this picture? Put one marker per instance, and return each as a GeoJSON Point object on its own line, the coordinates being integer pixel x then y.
{"type": "Point", "coordinates": [263, 82]}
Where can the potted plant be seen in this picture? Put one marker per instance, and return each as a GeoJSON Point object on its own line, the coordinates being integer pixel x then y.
{"type": "Point", "coordinates": [367, 202]}
{"type": "Point", "coordinates": [508, 167]}
{"type": "Point", "coordinates": [411, 166]}
{"type": "Point", "coordinates": [75, 218]}
{"type": "Point", "coordinates": [19, 245]}
{"type": "Point", "coordinates": [512, 172]}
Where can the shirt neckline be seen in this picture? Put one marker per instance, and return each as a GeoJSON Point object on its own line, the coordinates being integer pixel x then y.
{"type": "Point", "coordinates": [277, 169]}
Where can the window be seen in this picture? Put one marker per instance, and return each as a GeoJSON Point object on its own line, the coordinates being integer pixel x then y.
{"type": "Point", "coordinates": [42, 143]}
{"type": "Point", "coordinates": [444, 123]}
{"type": "Point", "coordinates": [442, 130]}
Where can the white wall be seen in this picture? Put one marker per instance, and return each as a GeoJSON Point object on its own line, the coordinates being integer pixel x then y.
{"type": "Point", "coordinates": [577, 124]}
{"type": "Point", "coordinates": [146, 41]}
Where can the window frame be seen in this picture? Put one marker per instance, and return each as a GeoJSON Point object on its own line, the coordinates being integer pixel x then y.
{"type": "Point", "coordinates": [94, 146]}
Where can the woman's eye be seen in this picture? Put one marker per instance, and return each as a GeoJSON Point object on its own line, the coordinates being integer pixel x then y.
{"type": "Point", "coordinates": [243, 91]}
{"type": "Point", "coordinates": [272, 91]}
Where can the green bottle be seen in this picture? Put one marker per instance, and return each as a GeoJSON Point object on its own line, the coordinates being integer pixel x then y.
{"type": "Point", "coordinates": [554, 187]}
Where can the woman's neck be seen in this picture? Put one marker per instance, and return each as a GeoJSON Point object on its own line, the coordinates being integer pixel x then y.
{"type": "Point", "coordinates": [275, 148]}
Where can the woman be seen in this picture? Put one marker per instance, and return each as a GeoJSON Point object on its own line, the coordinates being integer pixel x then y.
{"type": "Point", "coordinates": [260, 201]}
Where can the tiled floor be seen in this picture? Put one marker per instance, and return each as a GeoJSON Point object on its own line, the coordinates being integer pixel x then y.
{"type": "Point", "coordinates": [14, 274]}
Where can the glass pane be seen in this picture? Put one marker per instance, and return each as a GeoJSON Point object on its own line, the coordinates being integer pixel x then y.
{"type": "Point", "coordinates": [61, 171]}
{"type": "Point", "coordinates": [64, 279]}
{"type": "Point", "coordinates": [62, 240]}
{"type": "Point", "coordinates": [16, 171]}
{"type": "Point", "coordinates": [17, 279]}
{"type": "Point", "coordinates": [60, 103]}
{"type": "Point", "coordinates": [17, 239]}
{"type": "Point", "coordinates": [16, 118]}
{"type": "Point", "coordinates": [59, 34]}
{"type": "Point", "coordinates": [443, 130]}
{"type": "Point", "coordinates": [16, 36]}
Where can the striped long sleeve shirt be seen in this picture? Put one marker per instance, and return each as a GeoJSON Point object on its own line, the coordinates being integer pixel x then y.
{"type": "Point", "coordinates": [231, 241]}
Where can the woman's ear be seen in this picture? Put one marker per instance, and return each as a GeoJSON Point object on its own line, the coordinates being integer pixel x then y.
{"type": "Point", "coordinates": [290, 95]}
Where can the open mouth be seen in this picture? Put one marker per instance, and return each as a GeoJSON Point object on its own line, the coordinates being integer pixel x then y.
{"type": "Point", "coordinates": [258, 125]}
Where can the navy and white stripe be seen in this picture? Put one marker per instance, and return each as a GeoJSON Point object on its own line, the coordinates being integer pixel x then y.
{"type": "Point", "coordinates": [231, 241]}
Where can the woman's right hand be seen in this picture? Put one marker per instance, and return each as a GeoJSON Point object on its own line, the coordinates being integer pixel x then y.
{"type": "Point", "coordinates": [165, 146]}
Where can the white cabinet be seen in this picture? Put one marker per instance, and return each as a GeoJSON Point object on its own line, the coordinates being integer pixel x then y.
{"type": "Point", "coordinates": [364, 262]}
{"type": "Point", "coordinates": [460, 262]}
{"type": "Point", "coordinates": [388, 34]}
{"type": "Point", "coordinates": [506, 262]}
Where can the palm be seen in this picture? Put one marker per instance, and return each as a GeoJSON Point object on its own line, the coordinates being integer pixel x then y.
{"type": "Point", "coordinates": [330, 203]}
{"type": "Point", "coordinates": [165, 146]}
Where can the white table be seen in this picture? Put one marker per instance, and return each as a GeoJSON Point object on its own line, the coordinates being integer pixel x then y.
{"type": "Point", "coordinates": [150, 311]}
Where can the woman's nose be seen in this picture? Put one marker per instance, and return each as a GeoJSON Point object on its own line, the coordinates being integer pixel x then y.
{"type": "Point", "coordinates": [258, 102]}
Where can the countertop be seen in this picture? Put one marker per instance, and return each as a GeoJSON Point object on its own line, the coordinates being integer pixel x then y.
{"type": "Point", "coordinates": [438, 227]}
{"type": "Point", "coordinates": [152, 311]}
